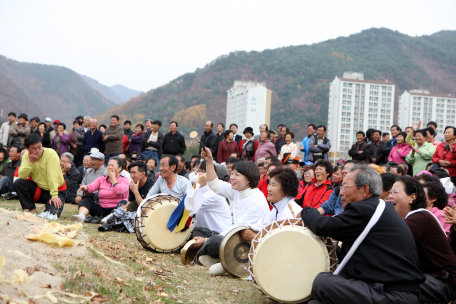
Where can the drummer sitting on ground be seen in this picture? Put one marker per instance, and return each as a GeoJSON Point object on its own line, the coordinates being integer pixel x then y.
{"type": "Point", "coordinates": [385, 267]}
{"type": "Point", "coordinates": [169, 182]}
{"type": "Point", "coordinates": [250, 205]}
{"type": "Point", "coordinates": [210, 211]}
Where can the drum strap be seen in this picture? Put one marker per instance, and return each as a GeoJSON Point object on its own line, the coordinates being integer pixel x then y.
{"type": "Point", "coordinates": [374, 219]}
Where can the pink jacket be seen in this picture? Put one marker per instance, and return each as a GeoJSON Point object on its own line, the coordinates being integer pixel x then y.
{"type": "Point", "coordinates": [110, 195]}
{"type": "Point", "coordinates": [399, 157]}
{"type": "Point", "coordinates": [264, 150]}
{"type": "Point", "coordinates": [438, 214]}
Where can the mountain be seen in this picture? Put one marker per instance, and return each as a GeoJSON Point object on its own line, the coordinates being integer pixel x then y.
{"type": "Point", "coordinates": [104, 90]}
{"type": "Point", "coordinates": [299, 76]}
{"type": "Point", "coordinates": [47, 90]}
{"type": "Point", "coordinates": [124, 93]}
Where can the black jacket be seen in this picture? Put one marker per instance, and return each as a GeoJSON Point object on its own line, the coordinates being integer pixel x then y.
{"type": "Point", "coordinates": [129, 133]}
{"type": "Point", "coordinates": [362, 157]}
{"type": "Point", "coordinates": [377, 152]}
{"type": "Point", "coordinates": [388, 255]}
{"type": "Point", "coordinates": [278, 145]}
{"type": "Point", "coordinates": [156, 144]}
{"type": "Point", "coordinates": [71, 179]}
{"type": "Point", "coordinates": [209, 140]}
{"type": "Point", "coordinates": [8, 169]}
{"type": "Point", "coordinates": [387, 149]}
{"type": "Point", "coordinates": [174, 144]}
{"type": "Point", "coordinates": [219, 138]}
{"type": "Point", "coordinates": [47, 139]}
{"type": "Point", "coordinates": [237, 139]}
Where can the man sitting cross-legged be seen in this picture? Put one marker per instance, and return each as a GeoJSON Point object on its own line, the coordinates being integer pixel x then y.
{"type": "Point", "coordinates": [7, 173]}
{"type": "Point", "coordinates": [40, 179]}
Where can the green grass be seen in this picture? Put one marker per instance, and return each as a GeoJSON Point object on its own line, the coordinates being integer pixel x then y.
{"type": "Point", "coordinates": [145, 277]}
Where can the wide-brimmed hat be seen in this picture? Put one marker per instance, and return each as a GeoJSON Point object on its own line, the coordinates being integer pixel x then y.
{"type": "Point", "coordinates": [249, 130]}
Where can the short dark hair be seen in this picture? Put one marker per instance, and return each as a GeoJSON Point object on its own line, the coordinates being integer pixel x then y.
{"type": "Point", "coordinates": [223, 126]}
{"type": "Point", "coordinates": [310, 167]}
{"type": "Point", "coordinates": [232, 160]}
{"type": "Point", "coordinates": [322, 126]}
{"type": "Point", "coordinates": [388, 180]}
{"type": "Point", "coordinates": [116, 117]}
{"type": "Point", "coordinates": [432, 123]}
{"type": "Point", "coordinates": [237, 154]}
{"type": "Point", "coordinates": [227, 133]}
{"type": "Point", "coordinates": [422, 132]}
{"type": "Point", "coordinates": [377, 131]}
{"type": "Point", "coordinates": [37, 119]}
{"type": "Point", "coordinates": [127, 122]}
{"type": "Point", "coordinates": [397, 128]}
{"type": "Point", "coordinates": [441, 173]}
{"type": "Point", "coordinates": [287, 179]}
{"type": "Point", "coordinates": [250, 171]}
{"type": "Point", "coordinates": [174, 122]}
{"type": "Point", "coordinates": [326, 164]}
{"type": "Point", "coordinates": [450, 127]}
{"type": "Point", "coordinates": [62, 124]}
{"type": "Point", "coordinates": [403, 134]}
{"type": "Point", "coordinates": [141, 126]}
{"type": "Point", "coordinates": [291, 134]}
{"type": "Point", "coordinates": [369, 132]}
{"type": "Point", "coordinates": [338, 167]}
{"type": "Point", "coordinates": [385, 134]}
{"type": "Point", "coordinates": [32, 139]}
{"type": "Point", "coordinates": [399, 169]}
{"type": "Point", "coordinates": [172, 161]}
{"type": "Point", "coordinates": [19, 150]}
{"type": "Point", "coordinates": [182, 158]}
{"type": "Point", "coordinates": [267, 128]}
{"type": "Point", "coordinates": [77, 121]}
{"type": "Point", "coordinates": [119, 161]}
{"type": "Point", "coordinates": [102, 125]}
{"type": "Point", "coordinates": [412, 186]}
{"type": "Point", "coordinates": [157, 122]}
{"type": "Point", "coordinates": [155, 161]}
{"type": "Point", "coordinates": [435, 190]}
{"type": "Point", "coordinates": [195, 156]}
{"type": "Point", "coordinates": [261, 164]}
{"type": "Point", "coordinates": [312, 125]}
{"type": "Point", "coordinates": [12, 113]}
{"type": "Point", "coordinates": [275, 164]}
{"type": "Point", "coordinates": [268, 134]}
{"type": "Point", "coordinates": [431, 131]}
{"type": "Point", "coordinates": [427, 178]}
{"type": "Point", "coordinates": [353, 161]}
{"type": "Point", "coordinates": [408, 128]}
{"type": "Point", "coordinates": [233, 124]}
{"type": "Point", "coordinates": [142, 167]}
{"type": "Point", "coordinates": [202, 165]}
{"type": "Point", "coordinates": [273, 159]}
{"type": "Point", "coordinates": [361, 132]}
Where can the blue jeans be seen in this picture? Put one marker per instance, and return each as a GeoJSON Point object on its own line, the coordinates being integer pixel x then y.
{"type": "Point", "coordinates": [6, 185]}
{"type": "Point", "coordinates": [108, 156]}
{"type": "Point", "coordinates": [152, 154]}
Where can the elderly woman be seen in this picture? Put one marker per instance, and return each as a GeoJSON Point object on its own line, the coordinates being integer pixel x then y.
{"type": "Point", "coordinates": [70, 175]}
{"type": "Point", "coordinates": [437, 259]}
{"type": "Point", "coordinates": [337, 176]}
{"type": "Point", "coordinates": [248, 146]}
{"type": "Point", "coordinates": [226, 147]}
{"type": "Point", "coordinates": [249, 204]}
{"type": "Point", "coordinates": [266, 147]}
{"type": "Point", "coordinates": [151, 165]}
{"type": "Point", "coordinates": [445, 154]}
{"type": "Point", "coordinates": [289, 147]}
{"type": "Point", "coordinates": [44, 135]}
{"type": "Point", "coordinates": [136, 138]}
{"type": "Point", "coordinates": [421, 153]}
{"type": "Point", "coordinates": [399, 152]}
{"type": "Point", "coordinates": [61, 140]}
{"type": "Point", "coordinates": [319, 191]}
{"type": "Point", "coordinates": [112, 190]}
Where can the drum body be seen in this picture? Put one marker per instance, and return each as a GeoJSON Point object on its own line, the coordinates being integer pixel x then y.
{"type": "Point", "coordinates": [285, 258]}
{"type": "Point", "coordinates": [234, 253]}
{"type": "Point", "coordinates": [151, 223]}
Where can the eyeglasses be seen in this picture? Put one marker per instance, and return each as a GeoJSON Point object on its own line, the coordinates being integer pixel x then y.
{"type": "Point", "coordinates": [308, 173]}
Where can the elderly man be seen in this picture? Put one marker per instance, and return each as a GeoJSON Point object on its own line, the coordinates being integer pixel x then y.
{"type": "Point", "coordinates": [46, 184]}
{"type": "Point", "coordinates": [92, 174]}
{"type": "Point", "coordinates": [18, 132]}
{"type": "Point", "coordinates": [86, 165]}
{"type": "Point", "coordinates": [359, 279]}
{"type": "Point", "coordinates": [93, 138]}
{"type": "Point", "coordinates": [8, 170]}
{"type": "Point", "coordinates": [209, 139]}
{"type": "Point", "coordinates": [80, 134]}
{"type": "Point", "coordinates": [71, 176]}
{"type": "Point", "coordinates": [169, 182]}
{"type": "Point", "coordinates": [181, 167]}
{"type": "Point", "coordinates": [174, 142]}
{"type": "Point", "coordinates": [113, 138]}
{"type": "Point", "coordinates": [263, 128]}
{"type": "Point", "coordinates": [4, 130]}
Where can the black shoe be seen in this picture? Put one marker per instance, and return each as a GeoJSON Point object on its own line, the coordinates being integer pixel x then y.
{"type": "Point", "coordinates": [88, 219]}
{"type": "Point", "coordinates": [9, 196]}
{"type": "Point", "coordinates": [96, 220]}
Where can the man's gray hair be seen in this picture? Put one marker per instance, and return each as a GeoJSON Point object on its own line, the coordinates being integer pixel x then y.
{"type": "Point", "coordinates": [366, 175]}
{"type": "Point", "coordinates": [406, 167]}
{"type": "Point", "coordinates": [69, 155]}
{"type": "Point", "coordinates": [88, 117]}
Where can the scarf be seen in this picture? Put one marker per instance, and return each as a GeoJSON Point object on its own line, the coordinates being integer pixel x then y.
{"type": "Point", "coordinates": [247, 140]}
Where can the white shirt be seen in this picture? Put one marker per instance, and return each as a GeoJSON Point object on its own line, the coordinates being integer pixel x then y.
{"type": "Point", "coordinates": [212, 210]}
{"type": "Point", "coordinates": [249, 206]}
{"type": "Point", "coordinates": [281, 211]}
{"type": "Point", "coordinates": [178, 190]}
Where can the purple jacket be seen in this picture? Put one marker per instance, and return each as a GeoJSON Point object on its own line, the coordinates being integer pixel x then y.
{"type": "Point", "coordinates": [64, 140]}
{"type": "Point", "coordinates": [399, 157]}
{"type": "Point", "coordinates": [135, 144]}
{"type": "Point", "coordinates": [264, 150]}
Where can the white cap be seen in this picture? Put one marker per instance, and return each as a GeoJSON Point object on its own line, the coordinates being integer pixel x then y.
{"type": "Point", "coordinates": [48, 119]}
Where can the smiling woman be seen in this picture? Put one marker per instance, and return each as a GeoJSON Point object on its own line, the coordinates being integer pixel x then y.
{"type": "Point", "coordinates": [321, 188]}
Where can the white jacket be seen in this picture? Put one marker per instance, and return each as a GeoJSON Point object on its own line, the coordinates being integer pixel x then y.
{"type": "Point", "coordinates": [4, 133]}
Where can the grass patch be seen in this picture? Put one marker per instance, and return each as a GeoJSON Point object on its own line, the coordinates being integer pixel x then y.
{"type": "Point", "coordinates": [142, 276]}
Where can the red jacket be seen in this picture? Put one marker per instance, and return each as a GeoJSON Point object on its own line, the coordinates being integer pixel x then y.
{"type": "Point", "coordinates": [313, 196]}
{"type": "Point", "coordinates": [263, 187]}
{"type": "Point", "coordinates": [223, 152]}
{"type": "Point", "coordinates": [124, 144]}
{"type": "Point", "coordinates": [445, 154]}
{"type": "Point", "coordinates": [241, 144]}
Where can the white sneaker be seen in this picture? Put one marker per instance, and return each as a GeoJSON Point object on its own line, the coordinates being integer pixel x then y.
{"type": "Point", "coordinates": [106, 218]}
{"type": "Point", "coordinates": [207, 260]}
{"type": "Point", "coordinates": [52, 217]}
{"type": "Point", "coordinates": [217, 270]}
{"type": "Point", "coordinates": [44, 214]}
{"type": "Point", "coordinates": [77, 218]}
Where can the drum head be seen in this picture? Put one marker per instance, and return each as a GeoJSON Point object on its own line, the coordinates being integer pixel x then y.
{"type": "Point", "coordinates": [187, 254]}
{"type": "Point", "coordinates": [286, 260]}
{"type": "Point", "coordinates": [141, 217]}
{"type": "Point", "coordinates": [234, 253]}
{"type": "Point", "coordinates": [156, 227]}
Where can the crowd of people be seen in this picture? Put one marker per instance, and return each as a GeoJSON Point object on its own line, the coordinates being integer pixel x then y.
{"type": "Point", "coordinates": [403, 183]}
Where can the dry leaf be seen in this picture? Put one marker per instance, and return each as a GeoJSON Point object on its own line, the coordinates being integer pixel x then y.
{"type": "Point", "coordinates": [126, 284]}
{"type": "Point", "coordinates": [147, 288]}
{"type": "Point", "coordinates": [118, 280]}
{"type": "Point", "coordinates": [185, 281]}
{"type": "Point", "coordinates": [61, 287]}
{"type": "Point", "coordinates": [139, 279]}
{"type": "Point", "coordinates": [46, 286]}
{"type": "Point", "coordinates": [88, 293]}
{"type": "Point", "coordinates": [31, 301]}
{"type": "Point", "coordinates": [99, 298]}
{"type": "Point", "coordinates": [97, 273]}
{"type": "Point", "coordinates": [30, 270]}
{"type": "Point", "coordinates": [162, 294]}
{"type": "Point", "coordinates": [159, 288]}
{"type": "Point", "coordinates": [88, 285]}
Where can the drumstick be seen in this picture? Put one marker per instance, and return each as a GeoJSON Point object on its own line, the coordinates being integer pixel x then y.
{"type": "Point", "coordinates": [291, 209]}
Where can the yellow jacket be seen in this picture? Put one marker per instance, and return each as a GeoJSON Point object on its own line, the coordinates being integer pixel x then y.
{"type": "Point", "coordinates": [45, 172]}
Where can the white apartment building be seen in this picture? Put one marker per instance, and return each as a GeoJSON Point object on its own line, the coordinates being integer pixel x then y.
{"type": "Point", "coordinates": [417, 105]}
{"type": "Point", "coordinates": [356, 105]}
{"type": "Point", "coordinates": [248, 104]}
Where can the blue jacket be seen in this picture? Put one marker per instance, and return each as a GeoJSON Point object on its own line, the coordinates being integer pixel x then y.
{"type": "Point", "coordinates": [305, 144]}
{"type": "Point", "coordinates": [95, 141]}
{"type": "Point", "coordinates": [334, 204]}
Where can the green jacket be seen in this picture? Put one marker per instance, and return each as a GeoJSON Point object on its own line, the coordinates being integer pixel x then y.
{"type": "Point", "coordinates": [420, 161]}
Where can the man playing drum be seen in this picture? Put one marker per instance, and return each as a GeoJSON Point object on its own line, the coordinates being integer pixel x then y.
{"type": "Point", "coordinates": [385, 267]}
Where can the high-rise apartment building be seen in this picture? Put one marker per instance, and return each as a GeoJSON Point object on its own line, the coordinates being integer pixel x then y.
{"type": "Point", "coordinates": [248, 104]}
{"type": "Point", "coordinates": [356, 105]}
{"type": "Point", "coordinates": [417, 105]}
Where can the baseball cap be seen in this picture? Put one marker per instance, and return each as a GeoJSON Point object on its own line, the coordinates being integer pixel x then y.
{"type": "Point", "coordinates": [139, 157]}
{"type": "Point", "coordinates": [56, 121]}
{"type": "Point", "coordinates": [48, 119]}
{"type": "Point", "coordinates": [97, 155]}
{"type": "Point", "coordinates": [341, 161]}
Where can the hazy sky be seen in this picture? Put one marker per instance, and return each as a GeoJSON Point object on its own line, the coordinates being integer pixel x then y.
{"type": "Point", "coordinates": [145, 44]}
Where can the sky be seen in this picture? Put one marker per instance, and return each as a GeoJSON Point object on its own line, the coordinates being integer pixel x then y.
{"type": "Point", "coordinates": [146, 44]}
